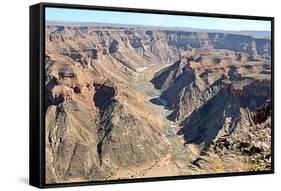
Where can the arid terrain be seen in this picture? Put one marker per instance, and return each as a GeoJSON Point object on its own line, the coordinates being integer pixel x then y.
{"type": "Point", "coordinates": [131, 102]}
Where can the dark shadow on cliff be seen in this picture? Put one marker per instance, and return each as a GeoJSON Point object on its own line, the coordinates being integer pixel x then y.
{"type": "Point", "coordinates": [159, 101]}
{"type": "Point", "coordinates": [216, 85]}
{"type": "Point", "coordinates": [103, 96]}
{"type": "Point", "coordinates": [204, 123]}
{"type": "Point", "coordinates": [160, 77]}
{"type": "Point", "coordinates": [202, 126]}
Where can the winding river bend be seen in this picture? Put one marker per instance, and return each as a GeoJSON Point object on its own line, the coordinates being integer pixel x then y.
{"type": "Point", "coordinates": [175, 162]}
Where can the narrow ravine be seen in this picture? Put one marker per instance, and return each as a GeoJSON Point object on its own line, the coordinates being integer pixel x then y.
{"type": "Point", "coordinates": [168, 165]}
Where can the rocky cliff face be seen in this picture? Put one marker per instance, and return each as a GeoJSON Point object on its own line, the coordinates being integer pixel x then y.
{"type": "Point", "coordinates": [219, 105]}
{"type": "Point", "coordinates": [95, 123]}
{"type": "Point", "coordinates": [91, 132]}
{"type": "Point", "coordinates": [99, 123]}
{"type": "Point", "coordinates": [226, 110]}
{"type": "Point", "coordinates": [155, 46]}
{"type": "Point", "coordinates": [245, 148]}
{"type": "Point", "coordinates": [200, 74]}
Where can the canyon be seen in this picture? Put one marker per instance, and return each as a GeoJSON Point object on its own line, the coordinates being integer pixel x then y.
{"type": "Point", "coordinates": [134, 102]}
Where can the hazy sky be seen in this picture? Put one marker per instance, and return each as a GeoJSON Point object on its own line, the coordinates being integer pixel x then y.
{"type": "Point", "coordinates": [80, 15]}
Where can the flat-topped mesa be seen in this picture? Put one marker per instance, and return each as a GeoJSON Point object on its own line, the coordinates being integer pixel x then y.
{"type": "Point", "coordinates": [203, 58]}
{"type": "Point", "coordinates": [214, 60]}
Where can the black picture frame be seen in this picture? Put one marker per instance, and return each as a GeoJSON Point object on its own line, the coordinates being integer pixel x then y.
{"type": "Point", "coordinates": [37, 95]}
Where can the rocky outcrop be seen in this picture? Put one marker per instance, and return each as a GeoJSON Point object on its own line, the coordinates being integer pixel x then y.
{"type": "Point", "coordinates": [113, 47]}
{"type": "Point", "coordinates": [225, 110]}
{"type": "Point", "coordinates": [251, 147]}
{"type": "Point", "coordinates": [205, 73]}
{"type": "Point", "coordinates": [94, 139]}
{"type": "Point", "coordinates": [263, 112]}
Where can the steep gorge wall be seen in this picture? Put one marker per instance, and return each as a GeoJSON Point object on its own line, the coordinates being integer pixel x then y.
{"type": "Point", "coordinates": [138, 47]}
{"type": "Point", "coordinates": [228, 110]}
{"type": "Point", "coordinates": [199, 74]}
